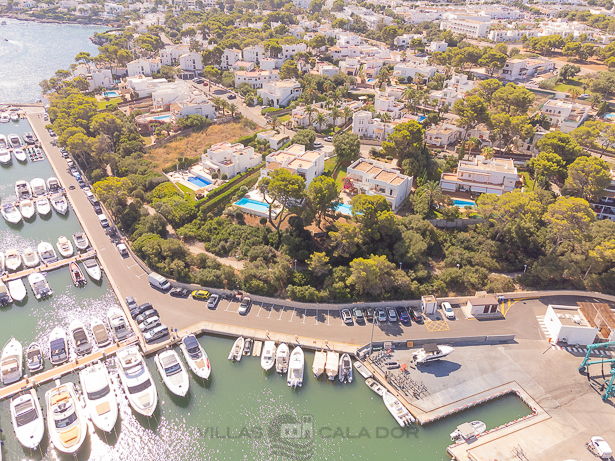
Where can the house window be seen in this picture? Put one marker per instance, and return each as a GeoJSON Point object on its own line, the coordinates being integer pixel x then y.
{"type": "Point", "coordinates": [486, 310]}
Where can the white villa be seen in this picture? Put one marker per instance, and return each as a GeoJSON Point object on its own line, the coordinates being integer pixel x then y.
{"type": "Point", "coordinates": [191, 62]}
{"type": "Point", "coordinates": [280, 93]}
{"type": "Point", "coordinates": [494, 176]}
{"type": "Point", "coordinates": [387, 104]}
{"type": "Point", "coordinates": [443, 134]}
{"type": "Point", "coordinates": [518, 69]}
{"type": "Point", "coordinates": [565, 115]}
{"type": "Point", "coordinates": [230, 57]}
{"type": "Point", "coordinates": [94, 76]}
{"type": "Point", "coordinates": [276, 140]}
{"type": "Point", "coordinates": [143, 85]}
{"type": "Point", "coordinates": [410, 69]}
{"type": "Point", "coordinates": [295, 159]}
{"type": "Point", "coordinates": [256, 78]}
{"type": "Point", "coordinates": [229, 159]}
{"type": "Point", "coordinates": [377, 178]}
{"type": "Point", "coordinates": [254, 54]}
{"type": "Point", "coordinates": [143, 66]}
{"type": "Point", "coordinates": [196, 105]}
{"type": "Point", "coordinates": [454, 89]}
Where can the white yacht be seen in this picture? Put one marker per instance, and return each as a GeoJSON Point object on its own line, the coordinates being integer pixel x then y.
{"type": "Point", "coordinates": [11, 213]}
{"type": "Point", "coordinates": [34, 358]}
{"type": "Point", "coordinates": [58, 346]}
{"type": "Point", "coordinates": [5, 118]}
{"type": "Point", "coordinates": [66, 423]}
{"type": "Point", "coordinates": [14, 117]}
{"type": "Point", "coordinates": [5, 156]}
{"type": "Point", "coordinates": [23, 190]}
{"type": "Point", "coordinates": [100, 401]}
{"type": "Point", "coordinates": [345, 369]}
{"type": "Point", "coordinates": [172, 372]}
{"type": "Point", "coordinates": [15, 141]}
{"type": "Point", "coordinates": [295, 368]}
{"type": "Point", "coordinates": [5, 295]}
{"type": "Point", "coordinates": [237, 349]}
{"type": "Point", "coordinates": [26, 207]}
{"type": "Point", "coordinates": [17, 290]}
{"type": "Point", "coordinates": [118, 323]}
{"type": "Point", "coordinates": [137, 381]}
{"type": "Point", "coordinates": [430, 353]}
{"type": "Point", "coordinates": [65, 247]}
{"type": "Point", "coordinates": [53, 185]}
{"type": "Point", "coordinates": [4, 144]}
{"type": "Point", "coordinates": [47, 253]}
{"type": "Point", "coordinates": [399, 412]}
{"type": "Point", "coordinates": [101, 335]}
{"type": "Point", "coordinates": [81, 241]}
{"type": "Point", "coordinates": [38, 187]}
{"type": "Point", "coordinates": [27, 419]}
{"type": "Point", "coordinates": [195, 356]}
{"type": "Point", "coordinates": [43, 207]}
{"type": "Point", "coordinates": [12, 260]}
{"type": "Point", "coordinates": [59, 203]}
{"type": "Point", "coordinates": [30, 258]}
{"type": "Point", "coordinates": [29, 137]}
{"type": "Point", "coordinates": [333, 363]}
{"type": "Point", "coordinates": [93, 268]}
{"type": "Point", "coordinates": [467, 431]}
{"type": "Point", "coordinates": [81, 342]}
{"type": "Point", "coordinates": [318, 367]}
{"type": "Point", "coordinates": [20, 155]}
{"type": "Point", "coordinates": [11, 363]}
{"type": "Point", "coordinates": [268, 356]}
{"type": "Point", "coordinates": [281, 358]}
{"type": "Point", "coordinates": [375, 386]}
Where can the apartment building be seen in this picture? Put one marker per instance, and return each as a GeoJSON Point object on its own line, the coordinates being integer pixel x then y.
{"type": "Point", "coordinates": [191, 62]}
{"type": "Point", "coordinates": [256, 78]}
{"type": "Point", "coordinates": [295, 159]}
{"type": "Point", "coordinates": [480, 175]}
{"type": "Point", "coordinates": [469, 27]}
{"type": "Point", "coordinates": [518, 69]}
{"type": "Point", "coordinates": [230, 57]}
{"type": "Point", "coordinates": [605, 207]}
{"type": "Point", "coordinates": [143, 66]}
{"type": "Point", "coordinates": [254, 54]}
{"type": "Point", "coordinates": [229, 159]}
{"type": "Point", "coordinates": [280, 93]}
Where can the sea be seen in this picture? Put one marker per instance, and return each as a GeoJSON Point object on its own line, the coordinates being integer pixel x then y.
{"type": "Point", "coordinates": [241, 412]}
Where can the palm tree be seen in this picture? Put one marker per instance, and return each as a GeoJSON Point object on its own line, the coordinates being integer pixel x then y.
{"type": "Point", "coordinates": [488, 152]}
{"type": "Point", "coordinates": [575, 93]}
{"type": "Point", "coordinates": [328, 86]}
{"type": "Point", "coordinates": [310, 94]}
{"type": "Point", "coordinates": [347, 114]}
{"type": "Point", "coordinates": [309, 110]}
{"type": "Point", "coordinates": [418, 77]}
{"type": "Point", "coordinates": [335, 114]}
{"type": "Point", "coordinates": [217, 102]}
{"type": "Point", "coordinates": [321, 119]}
{"type": "Point", "coordinates": [225, 105]}
{"type": "Point", "coordinates": [233, 109]}
{"type": "Point", "coordinates": [432, 191]}
{"type": "Point", "coordinates": [408, 93]}
{"type": "Point", "coordinates": [385, 117]}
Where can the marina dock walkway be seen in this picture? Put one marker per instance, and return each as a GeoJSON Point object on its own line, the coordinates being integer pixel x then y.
{"type": "Point", "coordinates": [7, 277]}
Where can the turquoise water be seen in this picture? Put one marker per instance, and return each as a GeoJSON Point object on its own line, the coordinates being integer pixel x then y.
{"type": "Point", "coordinates": [34, 52]}
{"type": "Point", "coordinates": [464, 203]}
{"type": "Point", "coordinates": [163, 117]}
{"type": "Point", "coordinates": [253, 205]}
{"type": "Point", "coordinates": [111, 94]}
{"type": "Point", "coordinates": [198, 181]}
{"type": "Point", "coordinates": [344, 209]}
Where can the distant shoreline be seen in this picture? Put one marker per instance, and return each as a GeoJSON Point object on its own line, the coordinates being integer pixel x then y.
{"type": "Point", "coordinates": [24, 18]}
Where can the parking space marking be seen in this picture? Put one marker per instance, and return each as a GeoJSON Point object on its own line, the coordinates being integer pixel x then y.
{"type": "Point", "coordinates": [228, 305]}
{"type": "Point", "coordinates": [304, 315]}
{"type": "Point", "coordinates": [328, 318]}
{"type": "Point", "coordinates": [281, 313]}
{"type": "Point", "coordinates": [260, 309]}
{"type": "Point", "coordinates": [292, 315]}
{"type": "Point", "coordinates": [270, 311]}
{"type": "Point", "coordinates": [436, 325]}
{"type": "Point", "coordinates": [130, 267]}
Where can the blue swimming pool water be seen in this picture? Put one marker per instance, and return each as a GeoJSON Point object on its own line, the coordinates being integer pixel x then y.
{"type": "Point", "coordinates": [609, 116]}
{"type": "Point", "coordinates": [163, 117]}
{"type": "Point", "coordinates": [464, 203]}
{"type": "Point", "coordinates": [198, 181]}
{"type": "Point", "coordinates": [421, 118]}
{"type": "Point", "coordinates": [111, 94]}
{"type": "Point", "coordinates": [344, 209]}
{"type": "Point", "coordinates": [253, 205]}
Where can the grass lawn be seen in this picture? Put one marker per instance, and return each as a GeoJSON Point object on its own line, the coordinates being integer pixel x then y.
{"type": "Point", "coordinates": [339, 175]}
{"type": "Point", "coordinates": [187, 190]}
{"type": "Point", "coordinates": [102, 105]}
{"type": "Point", "coordinates": [284, 118]}
{"type": "Point", "coordinates": [528, 182]}
{"type": "Point", "coordinates": [569, 85]}
{"type": "Point", "coordinates": [147, 140]}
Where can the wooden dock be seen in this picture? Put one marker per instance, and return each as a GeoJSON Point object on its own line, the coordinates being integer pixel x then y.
{"type": "Point", "coordinates": [57, 372]}
{"type": "Point", "coordinates": [7, 277]}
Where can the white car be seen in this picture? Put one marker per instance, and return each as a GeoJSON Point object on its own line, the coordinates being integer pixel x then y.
{"type": "Point", "coordinates": [448, 310]}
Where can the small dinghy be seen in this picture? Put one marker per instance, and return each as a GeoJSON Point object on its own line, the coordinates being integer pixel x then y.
{"type": "Point", "coordinates": [58, 346]}
{"type": "Point", "coordinates": [81, 342]}
{"type": "Point", "coordinates": [76, 274]}
{"type": "Point", "coordinates": [281, 358]}
{"type": "Point", "coordinates": [195, 356]}
{"type": "Point", "coordinates": [65, 247]}
{"type": "Point", "coordinates": [11, 363]}
{"type": "Point", "coordinates": [43, 207]}
{"type": "Point", "coordinates": [81, 241]}
{"type": "Point", "coordinates": [345, 369]}
{"type": "Point", "coordinates": [17, 290]}
{"type": "Point", "coordinates": [34, 358]}
{"type": "Point", "coordinates": [46, 252]}
{"type": "Point", "coordinates": [92, 268]}
{"type": "Point", "coordinates": [332, 366]}
{"type": "Point", "coordinates": [375, 386]}
{"type": "Point", "coordinates": [59, 203]}
{"type": "Point", "coordinates": [27, 419]}
{"type": "Point", "coordinates": [296, 364]}
{"type": "Point", "coordinates": [399, 412]}
{"type": "Point", "coordinates": [237, 349]}
{"type": "Point", "coordinates": [38, 187]}
{"type": "Point", "coordinates": [268, 357]}
{"type": "Point", "coordinates": [30, 258]}
{"type": "Point", "coordinates": [173, 372]}
{"type": "Point", "coordinates": [26, 207]}
{"type": "Point", "coordinates": [11, 213]}
{"type": "Point", "coordinates": [468, 431]}
{"type": "Point", "coordinates": [12, 260]}
{"type": "Point", "coordinates": [101, 335]}
{"type": "Point", "coordinates": [53, 185]}
{"type": "Point", "coordinates": [40, 286]}
{"type": "Point", "coordinates": [5, 156]}
{"type": "Point", "coordinates": [5, 295]}
{"type": "Point", "coordinates": [20, 155]}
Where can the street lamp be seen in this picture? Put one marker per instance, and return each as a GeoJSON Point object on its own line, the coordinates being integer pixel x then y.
{"type": "Point", "coordinates": [295, 265]}
{"type": "Point", "coordinates": [400, 265]}
{"type": "Point", "coordinates": [524, 268]}
{"type": "Point", "coordinates": [371, 340]}
{"type": "Point", "coordinates": [457, 266]}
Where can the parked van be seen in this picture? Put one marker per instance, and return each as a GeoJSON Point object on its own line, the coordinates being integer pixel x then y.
{"type": "Point", "coordinates": [103, 220]}
{"type": "Point", "coordinates": [158, 281]}
{"type": "Point", "coordinates": [90, 196]}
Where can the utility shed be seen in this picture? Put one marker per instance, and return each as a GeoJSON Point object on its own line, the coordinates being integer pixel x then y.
{"type": "Point", "coordinates": [485, 306]}
{"type": "Point", "coordinates": [567, 324]}
{"type": "Point", "coordinates": [429, 305]}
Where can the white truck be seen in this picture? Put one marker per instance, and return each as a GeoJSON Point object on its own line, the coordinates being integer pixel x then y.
{"type": "Point", "coordinates": [158, 281]}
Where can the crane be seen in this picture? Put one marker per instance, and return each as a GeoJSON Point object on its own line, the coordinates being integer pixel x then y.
{"type": "Point", "coordinates": [610, 388]}
{"type": "Point", "coordinates": [590, 347]}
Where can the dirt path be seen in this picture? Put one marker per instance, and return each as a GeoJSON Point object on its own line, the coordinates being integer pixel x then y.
{"type": "Point", "coordinates": [197, 248]}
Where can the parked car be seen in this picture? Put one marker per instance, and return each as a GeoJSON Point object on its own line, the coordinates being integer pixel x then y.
{"type": "Point", "coordinates": [156, 333]}
{"type": "Point", "coordinates": [198, 80]}
{"type": "Point", "coordinates": [81, 182]}
{"type": "Point", "coordinates": [403, 315]}
{"type": "Point", "coordinates": [179, 292]}
{"type": "Point", "coordinates": [212, 302]}
{"type": "Point", "coordinates": [122, 249]}
{"type": "Point", "coordinates": [391, 314]}
{"type": "Point", "coordinates": [231, 96]}
{"type": "Point", "coordinates": [416, 315]}
{"type": "Point", "coordinates": [150, 323]}
{"type": "Point", "coordinates": [346, 316]}
{"type": "Point", "coordinates": [205, 84]}
{"type": "Point", "coordinates": [358, 315]}
{"type": "Point", "coordinates": [136, 311]}
{"type": "Point", "coordinates": [97, 209]}
{"type": "Point", "coordinates": [318, 145]}
{"type": "Point", "coordinates": [244, 307]}
{"type": "Point", "coordinates": [200, 294]}
{"type": "Point", "coordinates": [381, 314]}
{"type": "Point", "coordinates": [131, 303]}
{"type": "Point", "coordinates": [447, 310]}
{"type": "Point", "coordinates": [329, 138]}
{"type": "Point", "coordinates": [368, 313]}
{"type": "Point", "coordinates": [146, 315]}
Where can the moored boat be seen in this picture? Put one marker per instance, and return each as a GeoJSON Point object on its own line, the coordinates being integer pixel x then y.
{"type": "Point", "coordinates": [59, 203]}
{"type": "Point", "coordinates": [296, 364]}
{"type": "Point", "coordinates": [65, 420]}
{"type": "Point", "coordinates": [332, 366]}
{"type": "Point", "coordinates": [397, 410]}
{"type": "Point", "coordinates": [237, 349]}
{"type": "Point", "coordinates": [101, 335]}
{"type": "Point", "coordinates": [23, 190]}
{"type": "Point", "coordinates": [118, 324]}
{"type": "Point", "coordinates": [11, 363]}
{"type": "Point", "coordinates": [431, 353]}
{"type": "Point", "coordinates": [15, 141]}
{"type": "Point", "coordinates": [81, 342]}
{"type": "Point", "coordinates": [3, 141]}
{"type": "Point", "coordinates": [76, 274]}
{"type": "Point", "coordinates": [43, 207]}
{"type": "Point", "coordinates": [345, 369]}
{"type": "Point", "coordinates": [318, 366]}
{"type": "Point", "coordinates": [53, 185]}
{"type": "Point", "coordinates": [137, 381]}
{"type": "Point", "coordinates": [65, 247]}
{"type": "Point", "coordinates": [17, 290]}
{"type": "Point", "coordinates": [11, 213]}
{"type": "Point", "coordinates": [100, 402]}
{"type": "Point", "coordinates": [29, 137]}
{"type": "Point", "coordinates": [5, 295]}
{"type": "Point", "coordinates": [172, 372]}
{"type": "Point", "coordinates": [47, 253]}
{"type": "Point", "coordinates": [375, 386]}
{"type": "Point", "coordinates": [58, 346]}
{"type": "Point", "coordinates": [268, 357]}
{"type": "Point", "coordinates": [12, 260]}
{"type": "Point", "coordinates": [34, 358]}
{"type": "Point", "coordinates": [81, 241]}
{"type": "Point", "coordinates": [40, 286]}
{"type": "Point", "coordinates": [20, 155]}
{"type": "Point", "coordinates": [195, 356]}
{"type": "Point", "coordinates": [467, 431]}
{"type": "Point", "coordinates": [92, 268]}
{"type": "Point", "coordinates": [30, 258]}
{"type": "Point", "coordinates": [38, 187]}
{"type": "Point", "coordinates": [5, 156]}
{"type": "Point", "coordinates": [26, 207]}
{"type": "Point", "coordinates": [27, 419]}
{"type": "Point", "coordinates": [281, 358]}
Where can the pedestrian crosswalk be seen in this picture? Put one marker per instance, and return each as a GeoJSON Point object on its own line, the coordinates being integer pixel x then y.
{"type": "Point", "coordinates": [577, 350]}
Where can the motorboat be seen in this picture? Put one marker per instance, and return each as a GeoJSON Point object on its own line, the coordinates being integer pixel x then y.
{"type": "Point", "coordinates": [12, 260]}
{"type": "Point", "coordinates": [601, 447]}
{"type": "Point", "coordinates": [5, 295]}
{"type": "Point", "coordinates": [81, 241]}
{"type": "Point", "coordinates": [2, 266]}
{"type": "Point", "coordinates": [92, 268]}
{"type": "Point", "coordinates": [76, 274]}
{"type": "Point", "coordinates": [281, 358]}
{"type": "Point", "coordinates": [172, 372]}
{"type": "Point", "coordinates": [99, 397]}
{"type": "Point", "coordinates": [100, 333]}
{"type": "Point", "coordinates": [30, 258]}
{"type": "Point", "coordinates": [195, 356]}
{"type": "Point", "coordinates": [247, 346]}
{"type": "Point", "coordinates": [23, 190]}
{"type": "Point", "coordinates": [137, 381]}
{"type": "Point", "coordinates": [43, 207]}
{"type": "Point", "coordinates": [47, 253]}
{"type": "Point", "coordinates": [5, 156]}
{"type": "Point", "coordinates": [27, 419]}
{"type": "Point", "coordinates": [40, 286]}
{"type": "Point", "coordinates": [14, 117]}
{"type": "Point", "coordinates": [34, 358]}
{"type": "Point", "coordinates": [268, 356]}
{"type": "Point", "coordinates": [11, 213]}
{"type": "Point", "coordinates": [20, 155]}
{"type": "Point", "coordinates": [58, 346]}
{"type": "Point", "coordinates": [29, 137]}
{"type": "Point", "coordinates": [468, 431]}
{"type": "Point", "coordinates": [11, 363]}
{"type": "Point", "coordinates": [294, 378]}
{"type": "Point", "coordinates": [53, 185]}
{"type": "Point", "coordinates": [318, 367]}
{"type": "Point", "coordinates": [430, 353]}
{"type": "Point", "coordinates": [66, 422]}
{"type": "Point", "coordinates": [38, 187]}
{"type": "Point", "coordinates": [345, 369]}
{"type": "Point", "coordinates": [59, 203]}
{"type": "Point", "coordinates": [26, 207]}
{"type": "Point", "coordinates": [333, 363]}
{"type": "Point", "coordinates": [118, 324]}
{"type": "Point", "coordinates": [65, 248]}
{"type": "Point", "coordinates": [375, 386]}
{"type": "Point", "coordinates": [15, 141]}
{"type": "Point", "coordinates": [5, 118]}
{"type": "Point", "coordinates": [80, 338]}
{"type": "Point", "coordinates": [237, 349]}
{"type": "Point", "coordinates": [17, 290]}
{"type": "Point", "coordinates": [4, 144]}
{"type": "Point", "coordinates": [399, 412]}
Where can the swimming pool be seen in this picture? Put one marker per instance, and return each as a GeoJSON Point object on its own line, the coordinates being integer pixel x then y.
{"type": "Point", "coordinates": [344, 209]}
{"type": "Point", "coordinates": [163, 117]}
{"type": "Point", "coordinates": [421, 118]}
{"type": "Point", "coordinates": [253, 205]}
{"type": "Point", "coordinates": [464, 203]}
{"type": "Point", "coordinates": [111, 94]}
{"type": "Point", "coordinates": [370, 80]}
{"type": "Point", "coordinates": [198, 181]}
{"type": "Point", "coordinates": [610, 116]}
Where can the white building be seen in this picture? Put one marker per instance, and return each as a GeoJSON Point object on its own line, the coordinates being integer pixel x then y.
{"type": "Point", "coordinates": [113, 8]}
{"type": "Point", "coordinates": [95, 76]}
{"type": "Point", "coordinates": [404, 40]}
{"type": "Point", "coordinates": [365, 126]}
{"type": "Point", "coordinates": [518, 69]}
{"type": "Point", "coordinates": [437, 46]}
{"type": "Point", "coordinates": [409, 69]}
{"type": "Point", "coordinates": [191, 62]}
{"type": "Point", "coordinates": [328, 70]}
{"type": "Point", "coordinates": [295, 159]}
{"type": "Point", "coordinates": [254, 54]}
{"type": "Point", "coordinates": [143, 85]}
{"type": "Point", "coordinates": [377, 178]}
{"type": "Point", "coordinates": [167, 94]}
{"type": "Point", "coordinates": [511, 35]}
{"type": "Point", "coordinates": [230, 159]}
{"type": "Point", "coordinates": [305, 4]}
{"type": "Point", "coordinates": [242, 65]}
{"type": "Point", "coordinates": [494, 176]}
{"type": "Point", "coordinates": [567, 324]}
{"type": "Point", "coordinates": [565, 115]}
{"type": "Point", "coordinates": [454, 88]}
{"type": "Point", "coordinates": [230, 57]}
{"type": "Point", "coordinates": [443, 134]}
{"type": "Point", "coordinates": [469, 27]}
{"type": "Point", "coordinates": [169, 55]}
{"type": "Point", "coordinates": [196, 105]}
{"type": "Point", "coordinates": [276, 140]}
{"type": "Point", "coordinates": [605, 207]}
{"type": "Point", "coordinates": [386, 104]}
{"type": "Point", "coordinates": [143, 66]}
{"type": "Point", "coordinates": [288, 51]}
{"type": "Point", "coordinates": [350, 66]}
{"type": "Point", "coordinates": [487, 306]}
{"type": "Point", "coordinates": [280, 93]}
{"type": "Point", "coordinates": [256, 78]}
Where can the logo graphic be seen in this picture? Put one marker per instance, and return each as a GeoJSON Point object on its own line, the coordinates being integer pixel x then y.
{"type": "Point", "coordinates": [291, 437]}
